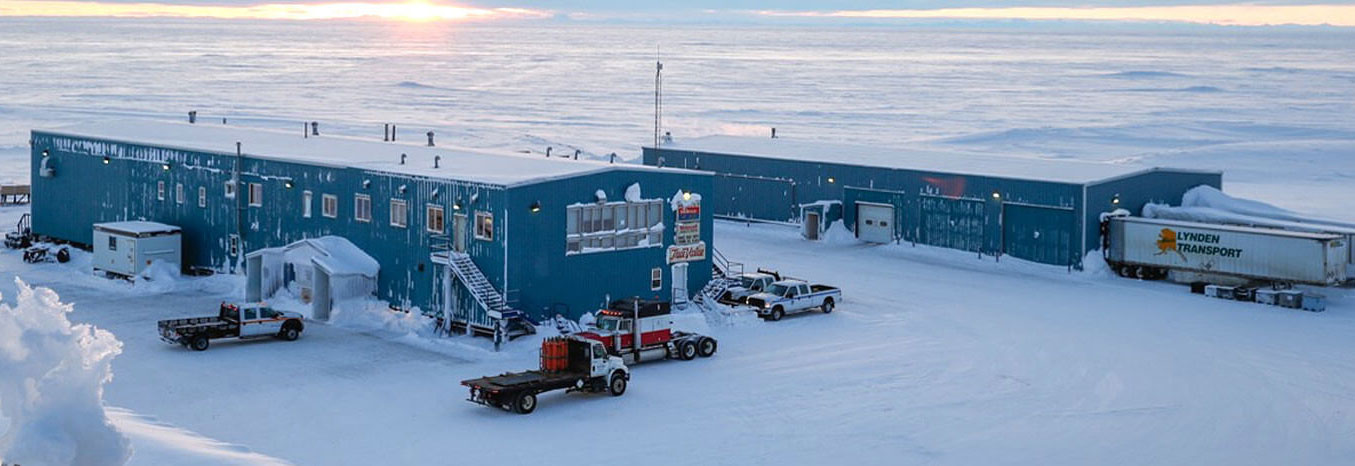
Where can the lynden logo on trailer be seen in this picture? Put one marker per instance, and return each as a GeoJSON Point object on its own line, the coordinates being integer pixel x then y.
{"type": "Point", "coordinates": [1169, 240]}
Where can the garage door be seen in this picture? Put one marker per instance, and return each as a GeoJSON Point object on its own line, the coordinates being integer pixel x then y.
{"type": "Point", "coordinates": [952, 222]}
{"type": "Point", "coordinates": [1039, 233]}
{"type": "Point", "coordinates": [875, 222]}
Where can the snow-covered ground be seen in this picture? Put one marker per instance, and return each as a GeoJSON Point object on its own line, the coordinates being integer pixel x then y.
{"type": "Point", "coordinates": [937, 356]}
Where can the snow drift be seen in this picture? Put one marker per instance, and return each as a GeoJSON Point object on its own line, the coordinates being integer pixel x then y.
{"type": "Point", "coordinates": [1209, 205]}
{"type": "Point", "coordinates": [52, 375]}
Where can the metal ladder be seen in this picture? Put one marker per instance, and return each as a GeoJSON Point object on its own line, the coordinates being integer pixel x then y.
{"type": "Point", "coordinates": [483, 292]}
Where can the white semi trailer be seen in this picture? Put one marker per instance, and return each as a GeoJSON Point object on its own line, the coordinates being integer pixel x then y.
{"type": "Point", "coordinates": [1149, 248]}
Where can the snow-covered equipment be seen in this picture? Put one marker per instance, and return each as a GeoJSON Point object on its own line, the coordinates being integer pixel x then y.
{"type": "Point", "coordinates": [244, 321]}
{"type": "Point", "coordinates": [792, 297]}
{"type": "Point", "coordinates": [567, 363]}
{"type": "Point", "coordinates": [1149, 248]}
{"type": "Point", "coordinates": [39, 254]}
{"type": "Point", "coordinates": [125, 249]}
{"type": "Point", "coordinates": [22, 236]}
{"type": "Point", "coordinates": [641, 331]}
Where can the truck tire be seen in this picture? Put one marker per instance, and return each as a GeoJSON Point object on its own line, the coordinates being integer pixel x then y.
{"type": "Point", "coordinates": [827, 306]}
{"type": "Point", "coordinates": [199, 343]}
{"type": "Point", "coordinates": [777, 313]}
{"type": "Point", "coordinates": [617, 386]}
{"type": "Point", "coordinates": [290, 332]}
{"type": "Point", "coordinates": [525, 403]}
{"type": "Point", "coordinates": [705, 347]}
{"type": "Point", "coordinates": [687, 350]}
{"type": "Point", "coordinates": [63, 255]}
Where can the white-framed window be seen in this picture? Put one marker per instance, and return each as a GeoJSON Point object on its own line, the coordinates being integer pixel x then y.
{"type": "Point", "coordinates": [256, 195]}
{"type": "Point", "coordinates": [362, 207]}
{"type": "Point", "coordinates": [160, 190]}
{"type": "Point", "coordinates": [202, 196]}
{"type": "Point", "coordinates": [230, 189]}
{"type": "Point", "coordinates": [330, 205]}
{"type": "Point", "coordinates": [437, 220]}
{"type": "Point", "coordinates": [656, 279]}
{"type": "Point", "coordinates": [306, 204]}
{"type": "Point", "coordinates": [613, 225]}
{"type": "Point", "coordinates": [178, 193]}
{"type": "Point", "coordinates": [399, 213]}
{"type": "Point", "coordinates": [484, 226]}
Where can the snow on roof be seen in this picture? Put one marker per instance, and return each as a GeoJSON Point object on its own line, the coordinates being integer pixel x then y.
{"type": "Point", "coordinates": [997, 166]}
{"type": "Point", "coordinates": [1203, 223]}
{"type": "Point", "coordinates": [137, 227]}
{"type": "Point", "coordinates": [336, 255]}
{"type": "Point", "coordinates": [463, 164]}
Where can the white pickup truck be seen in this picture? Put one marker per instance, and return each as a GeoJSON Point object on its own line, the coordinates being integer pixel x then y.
{"type": "Point", "coordinates": [749, 283]}
{"type": "Point", "coordinates": [794, 296]}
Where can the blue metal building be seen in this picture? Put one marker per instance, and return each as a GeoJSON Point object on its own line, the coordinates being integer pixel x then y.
{"type": "Point", "coordinates": [458, 232]}
{"type": "Point", "coordinates": [1036, 209]}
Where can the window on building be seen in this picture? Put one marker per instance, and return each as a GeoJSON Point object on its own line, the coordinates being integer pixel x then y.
{"type": "Point", "coordinates": [612, 226]}
{"type": "Point", "coordinates": [160, 190]}
{"type": "Point", "coordinates": [399, 213]}
{"type": "Point", "coordinates": [112, 243]}
{"type": "Point", "coordinates": [255, 195]}
{"type": "Point", "coordinates": [230, 189]}
{"type": "Point", "coordinates": [656, 278]}
{"type": "Point", "coordinates": [330, 207]}
{"type": "Point", "coordinates": [436, 219]}
{"type": "Point", "coordinates": [306, 204]}
{"type": "Point", "coordinates": [202, 196]}
{"type": "Point", "coordinates": [362, 207]}
{"type": "Point", "coordinates": [178, 193]}
{"type": "Point", "coordinates": [484, 226]}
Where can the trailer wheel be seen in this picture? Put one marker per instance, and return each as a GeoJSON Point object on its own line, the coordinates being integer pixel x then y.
{"type": "Point", "coordinates": [63, 255]}
{"type": "Point", "coordinates": [828, 306]}
{"type": "Point", "coordinates": [777, 313]}
{"type": "Point", "coordinates": [199, 343]}
{"type": "Point", "coordinates": [618, 385]}
{"type": "Point", "coordinates": [706, 347]}
{"type": "Point", "coordinates": [687, 351]}
{"type": "Point", "coordinates": [525, 404]}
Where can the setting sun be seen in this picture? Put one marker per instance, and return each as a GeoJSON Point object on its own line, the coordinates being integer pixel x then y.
{"type": "Point", "coordinates": [408, 11]}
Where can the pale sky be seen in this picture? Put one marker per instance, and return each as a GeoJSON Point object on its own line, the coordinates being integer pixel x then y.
{"type": "Point", "coordinates": [1221, 12]}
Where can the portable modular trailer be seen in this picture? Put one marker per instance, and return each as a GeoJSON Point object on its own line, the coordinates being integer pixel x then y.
{"type": "Point", "coordinates": [461, 233]}
{"type": "Point", "coordinates": [127, 248]}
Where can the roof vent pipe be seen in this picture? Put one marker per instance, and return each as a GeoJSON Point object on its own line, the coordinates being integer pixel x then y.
{"type": "Point", "coordinates": [773, 133]}
{"type": "Point", "coordinates": [192, 117]}
{"type": "Point", "coordinates": [392, 132]}
{"type": "Point", "coordinates": [223, 120]}
{"type": "Point", "coordinates": [402, 158]}
{"type": "Point", "coordinates": [436, 159]}
{"type": "Point", "coordinates": [576, 154]}
{"type": "Point", "coordinates": [430, 139]}
{"type": "Point", "coordinates": [548, 152]}
{"type": "Point", "coordinates": [315, 128]}
{"type": "Point", "coordinates": [305, 132]}
{"type": "Point", "coordinates": [386, 132]}
{"type": "Point", "coordinates": [611, 158]}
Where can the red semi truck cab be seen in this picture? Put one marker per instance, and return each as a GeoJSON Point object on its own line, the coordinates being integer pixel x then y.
{"type": "Point", "coordinates": [651, 323]}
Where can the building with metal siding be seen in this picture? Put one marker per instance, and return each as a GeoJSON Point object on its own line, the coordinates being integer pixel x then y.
{"type": "Point", "coordinates": [1035, 209]}
{"type": "Point", "coordinates": [182, 174]}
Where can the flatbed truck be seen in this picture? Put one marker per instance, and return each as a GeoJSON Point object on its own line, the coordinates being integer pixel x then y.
{"type": "Point", "coordinates": [571, 364]}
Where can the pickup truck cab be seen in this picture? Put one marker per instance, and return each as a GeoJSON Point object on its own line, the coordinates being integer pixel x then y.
{"type": "Point", "coordinates": [793, 296]}
{"type": "Point", "coordinates": [254, 320]}
{"type": "Point", "coordinates": [749, 284]}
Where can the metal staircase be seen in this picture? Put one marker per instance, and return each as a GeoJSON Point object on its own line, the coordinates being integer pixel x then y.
{"type": "Point", "coordinates": [724, 274]}
{"type": "Point", "coordinates": [484, 293]}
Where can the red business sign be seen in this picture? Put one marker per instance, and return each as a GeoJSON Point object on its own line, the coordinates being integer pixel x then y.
{"type": "Point", "coordinates": [687, 253]}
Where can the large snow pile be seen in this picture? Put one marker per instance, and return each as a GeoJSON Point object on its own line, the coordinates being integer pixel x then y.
{"type": "Point", "coordinates": [1209, 205]}
{"type": "Point", "coordinates": [52, 375]}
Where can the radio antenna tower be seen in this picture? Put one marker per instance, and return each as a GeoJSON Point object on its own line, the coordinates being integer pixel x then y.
{"type": "Point", "coordinates": [658, 95]}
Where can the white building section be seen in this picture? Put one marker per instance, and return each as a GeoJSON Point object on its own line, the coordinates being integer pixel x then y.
{"type": "Point", "coordinates": [318, 271]}
{"type": "Point", "coordinates": [127, 248]}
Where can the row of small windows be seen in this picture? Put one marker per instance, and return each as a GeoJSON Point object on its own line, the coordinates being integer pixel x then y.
{"type": "Point", "coordinates": [612, 226]}
{"type": "Point", "coordinates": [362, 208]}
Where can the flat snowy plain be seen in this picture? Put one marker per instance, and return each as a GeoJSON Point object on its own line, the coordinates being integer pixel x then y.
{"type": "Point", "coordinates": [937, 357]}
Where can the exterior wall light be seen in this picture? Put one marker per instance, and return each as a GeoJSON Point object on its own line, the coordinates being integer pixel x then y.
{"type": "Point", "coordinates": [288, 184]}
{"type": "Point", "coordinates": [1115, 200]}
{"type": "Point", "coordinates": [456, 205]}
{"type": "Point", "coordinates": [997, 195]}
{"type": "Point", "coordinates": [106, 160]}
{"type": "Point", "coordinates": [832, 180]}
{"type": "Point", "coordinates": [164, 166]}
{"type": "Point", "coordinates": [686, 195]}
{"type": "Point", "coordinates": [536, 207]}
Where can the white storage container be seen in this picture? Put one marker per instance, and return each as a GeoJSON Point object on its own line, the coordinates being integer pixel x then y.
{"type": "Point", "coordinates": [1267, 296]}
{"type": "Point", "coordinates": [127, 248]}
